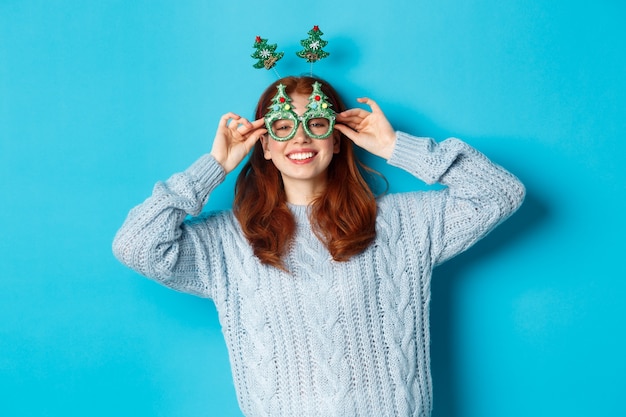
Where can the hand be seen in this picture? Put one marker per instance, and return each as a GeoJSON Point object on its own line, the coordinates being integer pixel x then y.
{"type": "Point", "coordinates": [234, 138]}
{"type": "Point", "coordinates": [369, 130]}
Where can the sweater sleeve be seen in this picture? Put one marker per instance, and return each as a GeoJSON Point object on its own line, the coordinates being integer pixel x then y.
{"type": "Point", "coordinates": [478, 193]}
{"type": "Point", "coordinates": [156, 241]}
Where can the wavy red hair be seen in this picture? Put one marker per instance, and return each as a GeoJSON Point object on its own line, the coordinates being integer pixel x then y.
{"type": "Point", "coordinates": [343, 217]}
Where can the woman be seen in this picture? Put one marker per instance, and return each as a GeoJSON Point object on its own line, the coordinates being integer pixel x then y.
{"type": "Point", "coordinates": [322, 290]}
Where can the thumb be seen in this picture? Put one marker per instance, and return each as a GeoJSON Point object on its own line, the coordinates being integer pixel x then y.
{"type": "Point", "coordinates": [351, 134]}
{"type": "Point", "coordinates": [252, 139]}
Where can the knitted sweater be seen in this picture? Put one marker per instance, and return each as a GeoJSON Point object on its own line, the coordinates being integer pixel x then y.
{"type": "Point", "coordinates": [332, 338]}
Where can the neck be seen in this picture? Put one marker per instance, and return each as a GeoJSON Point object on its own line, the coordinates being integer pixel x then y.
{"type": "Point", "coordinates": [302, 193]}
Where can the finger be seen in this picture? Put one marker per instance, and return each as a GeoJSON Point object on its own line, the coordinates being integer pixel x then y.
{"type": "Point", "coordinates": [242, 125]}
{"type": "Point", "coordinates": [349, 119]}
{"type": "Point", "coordinates": [373, 105]}
{"type": "Point", "coordinates": [362, 113]}
{"type": "Point", "coordinates": [228, 116]}
{"type": "Point", "coordinates": [251, 128]}
{"type": "Point", "coordinates": [350, 133]}
{"type": "Point", "coordinates": [351, 126]}
{"type": "Point", "coordinates": [353, 119]}
{"type": "Point", "coordinates": [254, 137]}
{"type": "Point", "coordinates": [259, 131]}
{"type": "Point", "coordinates": [260, 123]}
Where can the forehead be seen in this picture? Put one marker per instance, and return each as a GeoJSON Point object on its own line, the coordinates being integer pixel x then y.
{"type": "Point", "coordinates": [299, 102]}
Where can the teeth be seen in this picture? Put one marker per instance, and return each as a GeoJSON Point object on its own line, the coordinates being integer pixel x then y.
{"type": "Point", "coordinates": [302, 155]}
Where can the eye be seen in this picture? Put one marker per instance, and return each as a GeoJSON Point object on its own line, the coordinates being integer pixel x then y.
{"type": "Point", "coordinates": [318, 123]}
{"type": "Point", "coordinates": [283, 125]}
{"type": "Point", "coordinates": [282, 128]}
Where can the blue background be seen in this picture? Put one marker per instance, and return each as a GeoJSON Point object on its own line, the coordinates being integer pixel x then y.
{"type": "Point", "coordinates": [100, 99]}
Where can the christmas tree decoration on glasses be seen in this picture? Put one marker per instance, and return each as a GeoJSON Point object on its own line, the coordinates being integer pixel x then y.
{"type": "Point", "coordinates": [282, 121]}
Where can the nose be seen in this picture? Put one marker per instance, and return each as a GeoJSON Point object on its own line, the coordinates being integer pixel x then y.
{"type": "Point", "coordinates": [301, 135]}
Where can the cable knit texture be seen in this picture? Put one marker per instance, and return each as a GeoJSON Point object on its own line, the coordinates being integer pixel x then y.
{"type": "Point", "coordinates": [332, 338]}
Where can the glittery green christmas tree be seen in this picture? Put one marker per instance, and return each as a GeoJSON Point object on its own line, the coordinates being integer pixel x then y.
{"type": "Point", "coordinates": [313, 46]}
{"type": "Point", "coordinates": [281, 104]}
{"type": "Point", "coordinates": [319, 106]}
{"type": "Point", "coordinates": [265, 53]}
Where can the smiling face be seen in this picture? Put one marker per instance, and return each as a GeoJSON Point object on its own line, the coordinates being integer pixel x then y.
{"type": "Point", "coordinates": [302, 161]}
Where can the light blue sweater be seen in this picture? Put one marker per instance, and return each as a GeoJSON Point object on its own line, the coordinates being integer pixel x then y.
{"type": "Point", "coordinates": [333, 338]}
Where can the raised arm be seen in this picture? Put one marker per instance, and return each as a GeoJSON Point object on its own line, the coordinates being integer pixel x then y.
{"type": "Point", "coordinates": [156, 241]}
{"type": "Point", "coordinates": [479, 193]}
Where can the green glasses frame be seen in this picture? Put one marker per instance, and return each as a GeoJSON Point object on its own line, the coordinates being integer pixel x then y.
{"type": "Point", "coordinates": [318, 108]}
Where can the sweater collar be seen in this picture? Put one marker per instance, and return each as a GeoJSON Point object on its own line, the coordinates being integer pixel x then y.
{"type": "Point", "coordinates": [300, 212]}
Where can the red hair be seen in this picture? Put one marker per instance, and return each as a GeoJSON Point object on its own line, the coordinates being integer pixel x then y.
{"type": "Point", "coordinates": [343, 217]}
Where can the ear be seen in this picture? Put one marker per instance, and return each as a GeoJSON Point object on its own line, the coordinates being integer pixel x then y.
{"type": "Point", "coordinates": [266, 150]}
{"type": "Point", "coordinates": [336, 143]}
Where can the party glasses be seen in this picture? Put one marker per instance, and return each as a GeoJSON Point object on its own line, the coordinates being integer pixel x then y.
{"type": "Point", "coordinates": [282, 121]}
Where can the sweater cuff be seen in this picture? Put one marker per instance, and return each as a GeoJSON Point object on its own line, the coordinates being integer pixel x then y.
{"type": "Point", "coordinates": [410, 153]}
{"type": "Point", "coordinates": [207, 174]}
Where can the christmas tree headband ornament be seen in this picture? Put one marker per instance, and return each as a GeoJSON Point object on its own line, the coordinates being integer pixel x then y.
{"type": "Point", "coordinates": [313, 47]}
{"type": "Point", "coordinates": [313, 51]}
{"type": "Point", "coordinates": [282, 121]}
{"type": "Point", "coordinates": [266, 55]}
